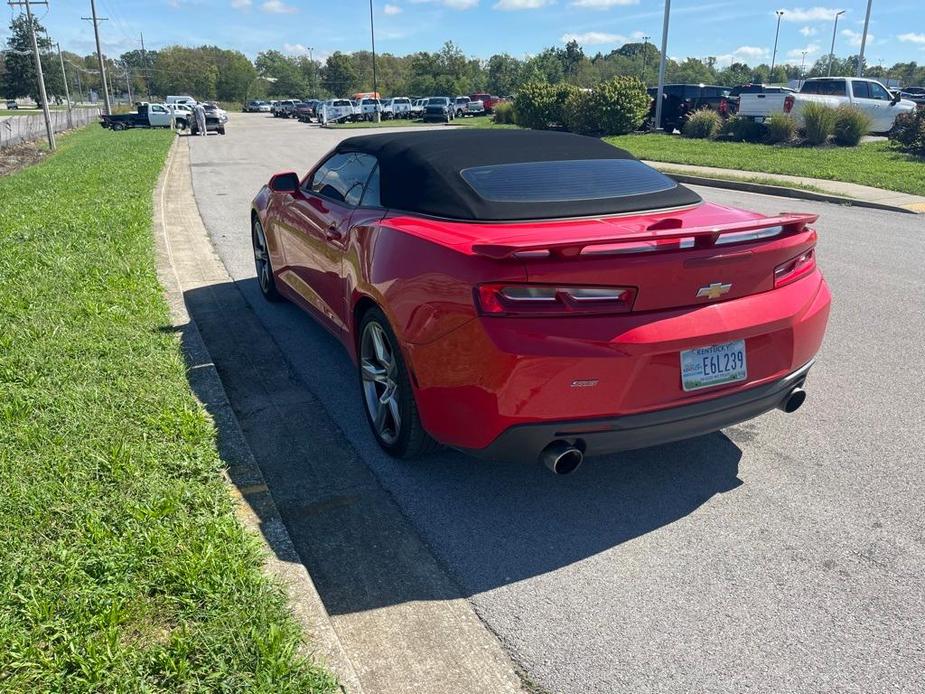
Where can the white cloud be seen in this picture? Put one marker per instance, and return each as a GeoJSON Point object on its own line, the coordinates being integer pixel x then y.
{"type": "Point", "coordinates": [593, 38]}
{"type": "Point", "coordinates": [810, 14]}
{"type": "Point", "coordinates": [809, 31]}
{"type": "Point", "coordinates": [452, 4]}
{"type": "Point", "coordinates": [744, 54]}
{"type": "Point", "coordinates": [912, 38]}
{"type": "Point", "coordinates": [391, 9]}
{"type": "Point", "coordinates": [811, 49]}
{"type": "Point", "coordinates": [854, 38]}
{"type": "Point", "coordinates": [601, 4]}
{"type": "Point", "coordinates": [277, 7]}
{"type": "Point", "coordinates": [294, 49]}
{"type": "Point", "coordinates": [240, 4]}
{"type": "Point", "coordinates": [521, 4]}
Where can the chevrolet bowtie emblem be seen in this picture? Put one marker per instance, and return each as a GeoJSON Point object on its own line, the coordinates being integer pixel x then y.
{"type": "Point", "coordinates": [714, 291]}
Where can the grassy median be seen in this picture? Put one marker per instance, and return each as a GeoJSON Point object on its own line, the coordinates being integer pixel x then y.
{"type": "Point", "coordinates": [122, 565]}
{"type": "Point", "coordinates": [870, 164]}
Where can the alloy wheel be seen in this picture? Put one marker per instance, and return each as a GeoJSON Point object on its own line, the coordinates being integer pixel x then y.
{"type": "Point", "coordinates": [379, 371]}
{"type": "Point", "coordinates": [261, 257]}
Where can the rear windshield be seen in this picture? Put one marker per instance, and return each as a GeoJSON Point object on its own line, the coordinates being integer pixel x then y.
{"type": "Point", "coordinates": [565, 181]}
{"type": "Point", "coordinates": [341, 102]}
{"type": "Point", "coordinates": [437, 101]}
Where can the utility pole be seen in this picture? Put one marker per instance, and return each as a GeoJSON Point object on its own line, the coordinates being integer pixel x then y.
{"type": "Point", "coordinates": [80, 90]}
{"type": "Point", "coordinates": [779, 13]}
{"type": "Point", "coordinates": [144, 65]}
{"type": "Point", "coordinates": [372, 31]}
{"type": "Point", "coordinates": [67, 92]}
{"type": "Point", "coordinates": [864, 41]}
{"type": "Point", "coordinates": [128, 82]}
{"type": "Point", "coordinates": [832, 49]}
{"type": "Point", "coordinates": [99, 53]}
{"type": "Point", "coordinates": [661, 68]}
{"type": "Point", "coordinates": [38, 65]}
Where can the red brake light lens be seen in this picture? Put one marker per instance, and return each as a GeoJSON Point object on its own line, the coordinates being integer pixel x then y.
{"type": "Point", "coordinates": [795, 268]}
{"type": "Point", "coordinates": [552, 300]}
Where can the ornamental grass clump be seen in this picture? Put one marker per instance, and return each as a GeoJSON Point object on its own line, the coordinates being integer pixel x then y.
{"type": "Point", "coordinates": [702, 125]}
{"type": "Point", "coordinates": [818, 123]}
{"type": "Point", "coordinates": [781, 128]}
{"type": "Point", "coordinates": [851, 124]}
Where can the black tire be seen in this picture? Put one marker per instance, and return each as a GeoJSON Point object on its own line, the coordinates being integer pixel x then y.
{"type": "Point", "coordinates": [221, 131]}
{"type": "Point", "coordinates": [118, 126]}
{"type": "Point", "coordinates": [265, 279]}
{"type": "Point", "coordinates": [386, 374]}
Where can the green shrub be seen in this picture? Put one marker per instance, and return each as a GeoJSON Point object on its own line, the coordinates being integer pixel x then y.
{"type": "Point", "coordinates": [615, 107]}
{"type": "Point", "coordinates": [742, 130]}
{"type": "Point", "coordinates": [851, 124]}
{"type": "Point", "coordinates": [818, 122]}
{"type": "Point", "coordinates": [702, 124]}
{"type": "Point", "coordinates": [780, 128]}
{"type": "Point", "coordinates": [503, 112]}
{"type": "Point", "coordinates": [541, 106]}
{"type": "Point", "coordinates": [908, 133]}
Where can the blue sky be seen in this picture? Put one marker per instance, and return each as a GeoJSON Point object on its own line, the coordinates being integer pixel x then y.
{"type": "Point", "coordinates": [728, 29]}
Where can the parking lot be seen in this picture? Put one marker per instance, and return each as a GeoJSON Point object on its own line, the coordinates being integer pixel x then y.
{"type": "Point", "coordinates": [783, 554]}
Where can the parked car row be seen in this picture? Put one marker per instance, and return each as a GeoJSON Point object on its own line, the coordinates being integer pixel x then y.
{"type": "Point", "coordinates": [758, 101]}
{"type": "Point", "coordinates": [364, 107]}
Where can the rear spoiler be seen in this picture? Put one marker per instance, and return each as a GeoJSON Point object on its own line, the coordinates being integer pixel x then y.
{"type": "Point", "coordinates": [704, 236]}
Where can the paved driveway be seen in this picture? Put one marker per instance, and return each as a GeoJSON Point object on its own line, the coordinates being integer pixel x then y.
{"type": "Point", "coordinates": [785, 554]}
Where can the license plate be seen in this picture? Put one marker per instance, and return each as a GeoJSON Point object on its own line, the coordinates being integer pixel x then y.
{"type": "Point", "coordinates": [713, 366]}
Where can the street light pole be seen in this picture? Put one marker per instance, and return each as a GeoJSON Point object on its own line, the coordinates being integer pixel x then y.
{"type": "Point", "coordinates": [864, 41]}
{"type": "Point", "coordinates": [645, 51]}
{"type": "Point", "coordinates": [832, 49]}
{"type": "Point", "coordinates": [802, 68]}
{"type": "Point", "coordinates": [661, 67]}
{"type": "Point", "coordinates": [311, 59]}
{"type": "Point", "coordinates": [779, 13]}
{"type": "Point", "coordinates": [372, 31]}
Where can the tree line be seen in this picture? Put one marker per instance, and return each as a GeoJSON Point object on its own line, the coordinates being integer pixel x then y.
{"type": "Point", "coordinates": [210, 72]}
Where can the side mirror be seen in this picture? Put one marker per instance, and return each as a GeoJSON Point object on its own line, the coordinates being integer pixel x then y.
{"type": "Point", "coordinates": [286, 182]}
{"type": "Point", "coordinates": [897, 97]}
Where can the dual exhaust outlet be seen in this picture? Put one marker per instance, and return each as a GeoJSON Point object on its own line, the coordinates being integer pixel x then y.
{"type": "Point", "coordinates": [563, 458]}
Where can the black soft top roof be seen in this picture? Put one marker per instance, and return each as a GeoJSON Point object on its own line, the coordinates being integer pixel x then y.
{"type": "Point", "coordinates": [422, 172]}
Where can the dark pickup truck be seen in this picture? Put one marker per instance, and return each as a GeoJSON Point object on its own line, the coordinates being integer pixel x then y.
{"type": "Point", "coordinates": [680, 100]}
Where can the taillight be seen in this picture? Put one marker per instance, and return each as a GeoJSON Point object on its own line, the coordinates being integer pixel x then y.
{"type": "Point", "coordinates": [795, 268]}
{"type": "Point", "coordinates": [788, 103]}
{"type": "Point", "coordinates": [544, 299]}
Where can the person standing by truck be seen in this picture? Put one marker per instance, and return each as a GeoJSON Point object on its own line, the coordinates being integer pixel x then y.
{"type": "Point", "coordinates": [200, 114]}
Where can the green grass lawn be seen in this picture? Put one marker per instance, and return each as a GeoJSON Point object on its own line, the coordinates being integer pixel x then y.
{"type": "Point", "coordinates": [870, 164]}
{"type": "Point", "coordinates": [122, 565]}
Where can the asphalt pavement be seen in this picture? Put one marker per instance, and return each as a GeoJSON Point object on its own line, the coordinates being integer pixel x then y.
{"type": "Point", "coordinates": [784, 554]}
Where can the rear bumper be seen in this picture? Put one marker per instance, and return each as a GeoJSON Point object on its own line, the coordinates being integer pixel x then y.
{"type": "Point", "coordinates": [599, 436]}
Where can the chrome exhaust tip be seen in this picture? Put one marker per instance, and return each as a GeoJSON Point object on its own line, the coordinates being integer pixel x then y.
{"type": "Point", "coordinates": [562, 457]}
{"type": "Point", "coordinates": [794, 400]}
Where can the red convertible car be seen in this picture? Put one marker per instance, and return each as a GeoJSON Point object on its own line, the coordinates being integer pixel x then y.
{"type": "Point", "coordinates": [522, 294]}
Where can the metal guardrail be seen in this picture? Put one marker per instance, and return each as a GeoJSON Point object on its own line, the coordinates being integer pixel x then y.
{"type": "Point", "coordinates": [18, 129]}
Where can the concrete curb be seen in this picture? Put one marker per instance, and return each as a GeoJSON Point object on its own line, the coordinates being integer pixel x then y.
{"type": "Point", "coordinates": [254, 505]}
{"type": "Point", "coordinates": [780, 191]}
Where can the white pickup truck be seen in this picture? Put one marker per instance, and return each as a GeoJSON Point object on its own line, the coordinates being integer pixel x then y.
{"type": "Point", "coordinates": [399, 107]}
{"type": "Point", "coordinates": [868, 95]}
